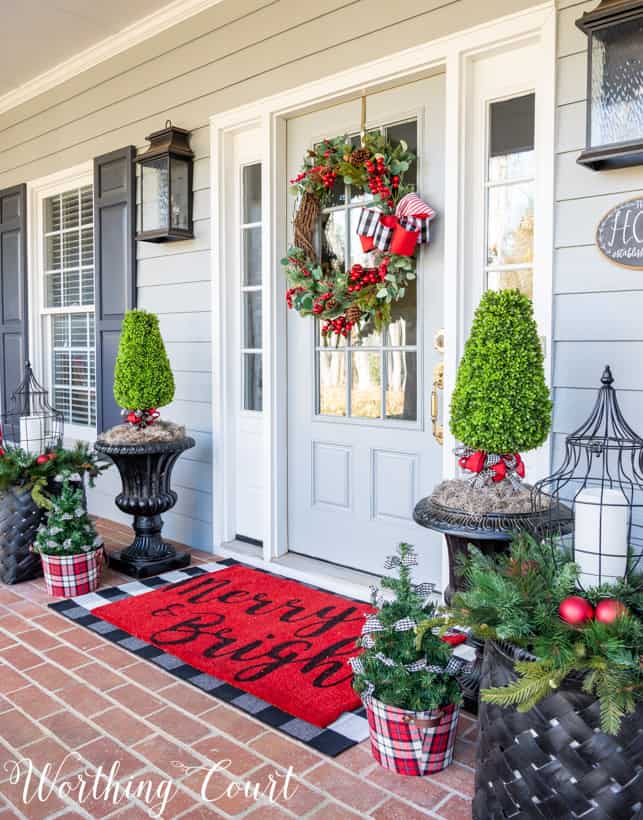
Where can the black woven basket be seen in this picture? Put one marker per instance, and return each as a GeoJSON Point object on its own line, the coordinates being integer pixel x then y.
{"type": "Point", "coordinates": [554, 762]}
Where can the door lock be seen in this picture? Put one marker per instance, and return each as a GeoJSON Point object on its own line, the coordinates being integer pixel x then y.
{"type": "Point", "coordinates": [438, 384]}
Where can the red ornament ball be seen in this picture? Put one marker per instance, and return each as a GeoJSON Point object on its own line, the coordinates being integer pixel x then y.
{"type": "Point", "coordinates": [609, 610]}
{"type": "Point", "coordinates": [575, 610]}
{"type": "Point", "coordinates": [132, 418]}
{"type": "Point", "coordinates": [43, 459]}
{"type": "Point", "coordinates": [454, 640]}
{"type": "Point", "coordinates": [1, 452]}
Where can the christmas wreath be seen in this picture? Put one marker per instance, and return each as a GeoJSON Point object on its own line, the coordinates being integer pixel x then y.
{"type": "Point", "coordinates": [390, 229]}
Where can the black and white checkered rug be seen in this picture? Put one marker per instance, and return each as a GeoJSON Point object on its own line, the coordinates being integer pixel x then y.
{"type": "Point", "coordinates": [349, 729]}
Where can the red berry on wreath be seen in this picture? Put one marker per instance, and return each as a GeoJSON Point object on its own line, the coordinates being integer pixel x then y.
{"type": "Point", "coordinates": [43, 459]}
{"type": "Point", "coordinates": [575, 610]}
{"type": "Point", "coordinates": [609, 610]}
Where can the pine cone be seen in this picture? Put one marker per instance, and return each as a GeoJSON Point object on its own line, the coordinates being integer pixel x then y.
{"type": "Point", "coordinates": [353, 314]}
{"type": "Point", "coordinates": [359, 156]}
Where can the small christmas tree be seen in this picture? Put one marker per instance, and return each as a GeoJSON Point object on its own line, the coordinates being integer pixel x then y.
{"type": "Point", "coordinates": [501, 403]}
{"type": "Point", "coordinates": [143, 379]}
{"type": "Point", "coordinates": [68, 529]}
{"type": "Point", "coordinates": [402, 666]}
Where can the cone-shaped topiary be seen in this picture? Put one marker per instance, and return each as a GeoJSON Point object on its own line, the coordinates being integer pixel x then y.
{"type": "Point", "coordinates": [501, 403]}
{"type": "Point", "coordinates": [142, 376]}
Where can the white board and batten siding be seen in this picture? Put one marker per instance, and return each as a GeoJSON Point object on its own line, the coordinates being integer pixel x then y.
{"type": "Point", "coordinates": [597, 305]}
{"type": "Point", "coordinates": [233, 53]}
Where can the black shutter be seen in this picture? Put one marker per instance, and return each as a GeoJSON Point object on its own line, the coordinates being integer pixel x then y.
{"type": "Point", "coordinates": [13, 290]}
{"type": "Point", "coordinates": [115, 268]}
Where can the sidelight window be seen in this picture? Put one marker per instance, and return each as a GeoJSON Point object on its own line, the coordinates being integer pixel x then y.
{"type": "Point", "coordinates": [510, 186]}
{"type": "Point", "coordinates": [251, 282]}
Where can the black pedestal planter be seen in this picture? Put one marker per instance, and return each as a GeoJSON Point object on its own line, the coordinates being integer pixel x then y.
{"type": "Point", "coordinates": [490, 533]}
{"type": "Point", "coordinates": [554, 762]}
{"type": "Point", "coordinates": [146, 473]}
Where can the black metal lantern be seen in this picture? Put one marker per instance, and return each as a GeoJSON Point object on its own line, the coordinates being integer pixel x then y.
{"type": "Point", "coordinates": [31, 423]}
{"type": "Point", "coordinates": [600, 484]}
{"type": "Point", "coordinates": [614, 84]}
{"type": "Point", "coordinates": [166, 186]}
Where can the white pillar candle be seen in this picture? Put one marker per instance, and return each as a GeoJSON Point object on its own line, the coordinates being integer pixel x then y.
{"type": "Point", "coordinates": [33, 433]}
{"type": "Point", "coordinates": [601, 535]}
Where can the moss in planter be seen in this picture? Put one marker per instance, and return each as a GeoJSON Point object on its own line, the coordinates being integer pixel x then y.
{"type": "Point", "coordinates": [158, 432]}
{"type": "Point", "coordinates": [142, 376]}
{"type": "Point", "coordinates": [500, 497]}
{"type": "Point", "coordinates": [501, 403]}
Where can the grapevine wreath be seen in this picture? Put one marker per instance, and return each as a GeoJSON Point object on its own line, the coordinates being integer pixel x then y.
{"type": "Point", "coordinates": [391, 229]}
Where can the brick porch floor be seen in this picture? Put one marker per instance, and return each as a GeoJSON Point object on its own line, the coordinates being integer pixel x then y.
{"type": "Point", "coordinates": [64, 689]}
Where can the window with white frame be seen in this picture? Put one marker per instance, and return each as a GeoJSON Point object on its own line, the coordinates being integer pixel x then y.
{"type": "Point", "coordinates": [68, 303]}
{"type": "Point", "coordinates": [510, 184]}
{"type": "Point", "coordinates": [251, 282]}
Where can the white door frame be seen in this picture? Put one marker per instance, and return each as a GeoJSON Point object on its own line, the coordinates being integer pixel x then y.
{"type": "Point", "coordinates": [453, 53]}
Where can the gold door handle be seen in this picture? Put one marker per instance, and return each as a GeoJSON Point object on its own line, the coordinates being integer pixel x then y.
{"type": "Point", "coordinates": [438, 384]}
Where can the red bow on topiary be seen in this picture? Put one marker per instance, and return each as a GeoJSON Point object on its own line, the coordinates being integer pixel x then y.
{"type": "Point", "coordinates": [490, 465]}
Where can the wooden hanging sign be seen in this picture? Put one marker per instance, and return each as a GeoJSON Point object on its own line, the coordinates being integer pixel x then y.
{"type": "Point", "coordinates": [619, 235]}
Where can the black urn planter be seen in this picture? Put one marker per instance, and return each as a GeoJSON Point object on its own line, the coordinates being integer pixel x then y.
{"type": "Point", "coordinates": [490, 533]}
{"type": "Point", "coordinates": [146, 473]}
{"type": "Point", "coordinates": [553, 761]}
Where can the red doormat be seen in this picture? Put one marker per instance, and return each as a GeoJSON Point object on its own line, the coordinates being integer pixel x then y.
{"type": "Point", "coordinates": [279, 640]}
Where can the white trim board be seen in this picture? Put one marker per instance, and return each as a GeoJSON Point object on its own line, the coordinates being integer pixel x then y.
{"type": "Point", "coordinates": [455, 53]}
{"type": "Point", "coordinates": [133, 34]}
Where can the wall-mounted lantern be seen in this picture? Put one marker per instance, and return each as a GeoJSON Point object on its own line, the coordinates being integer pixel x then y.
{"type": "Point", "coordinates": [614, 84]}
{"type": "Point", "coordinates": [166, 186]}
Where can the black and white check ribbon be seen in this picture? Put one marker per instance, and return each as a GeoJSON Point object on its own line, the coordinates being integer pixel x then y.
{"type": "Point", "coordinates": [408, 560]}
{"type": "Point", "coordinates": [404, 625]}
{"type": "Point", "coordinates": [424, 589]}
{"type": "Point", "coordinates": [372, 624]}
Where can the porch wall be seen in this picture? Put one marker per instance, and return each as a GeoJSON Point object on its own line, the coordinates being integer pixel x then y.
{"type": "Point", "coordinates": [233, 53]}
{"type": "Point", "coordinates": [597, 305]}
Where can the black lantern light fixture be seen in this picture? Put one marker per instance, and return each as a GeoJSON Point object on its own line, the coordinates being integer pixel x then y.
{"type": "Point", "coordinates": [614, 84]}
{"type": "Point", "coordinates": [600, 485]}
{"type": "Point", "coordinates": [166, 186]}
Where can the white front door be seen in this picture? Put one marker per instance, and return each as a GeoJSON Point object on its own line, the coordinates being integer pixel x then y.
{"type": "Point", "coordinates": [360, 445]}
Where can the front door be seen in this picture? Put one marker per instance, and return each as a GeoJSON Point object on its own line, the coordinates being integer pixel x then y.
{"type": "Point", "coordinates": [361, 449]}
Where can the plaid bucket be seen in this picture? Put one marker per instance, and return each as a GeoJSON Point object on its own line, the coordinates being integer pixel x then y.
{"type": "Point", "coordinates": [412, 743]}
{"type": "Point", "coordinates": [70, 575]}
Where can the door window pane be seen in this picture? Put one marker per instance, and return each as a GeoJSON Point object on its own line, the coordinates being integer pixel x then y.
{"type": "Point", "coordinates": [252, 381]}
{"type": "Point", "coordinates": [252, 193]}
{"type": "Point", "coordinates": [252, 320]}
{"type": "Point", "coordinates": [366, 385]}
{"type": "Point", "coordinates": [333, 233]}
{"type": "Point", "coordinates": [511, 225]}
{"type": "Point", "coordinates": [401, 385]}
{"type": "Point", "coordinates": [252, 256]}
{"type": "Point", "coordinates": [331, 374]}
{"type": "Point", "coordinates": [521, 279]}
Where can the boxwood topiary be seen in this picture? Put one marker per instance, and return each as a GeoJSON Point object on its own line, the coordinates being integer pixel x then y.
{"type": "Point", "coordinates": [142, 376]}
{"type": "Point", "coordinates": [501, 403]}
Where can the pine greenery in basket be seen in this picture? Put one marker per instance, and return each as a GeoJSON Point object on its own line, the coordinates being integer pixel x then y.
{"type": "Point", "coordinates": [38, 473]}
{"type": "Point", "coordinates": [528, 598]}
{"type": "Point", "coordinates": [388, 680]}
{"type": "Point", "coordinates": [68, 529]}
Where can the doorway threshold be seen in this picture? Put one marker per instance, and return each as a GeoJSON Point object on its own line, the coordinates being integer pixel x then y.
{"type": "Point", "coordinates": [341, 580]}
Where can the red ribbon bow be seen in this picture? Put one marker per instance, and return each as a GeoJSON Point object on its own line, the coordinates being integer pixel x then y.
{"type": "Point", "coordinates": [509, 462]}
